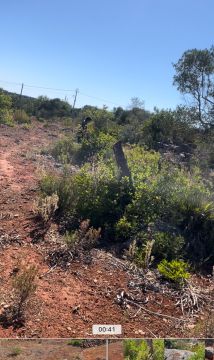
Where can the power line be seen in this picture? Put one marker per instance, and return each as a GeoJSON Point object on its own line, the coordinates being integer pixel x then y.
{"type": "Point", "coordinates": [97, 98]}
{"type": "Point", "coordinates": [9, 82]}
{"type": "Point", "coordinates": [62, 90]}
{"type": "Point", "coordinates": [47, 88]}
{"type": "Point", "coordinates": [38, 87]}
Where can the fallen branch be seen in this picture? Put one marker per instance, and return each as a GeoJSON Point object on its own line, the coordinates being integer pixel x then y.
{"type": "Point", "coordinates": [153, 312]}
{"type": "Point", "coordinates": [47, 272]}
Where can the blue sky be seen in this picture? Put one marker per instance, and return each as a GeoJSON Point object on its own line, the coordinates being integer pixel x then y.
{"type": "Point", "coordinates": [111, 50]}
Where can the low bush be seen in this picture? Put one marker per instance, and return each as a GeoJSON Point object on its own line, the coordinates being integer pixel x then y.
{"type": "Point", "coordinates": [24, 286]}
{"type": "Point", "coordinates": [158, 349]}
{"type": "Point", "coordinates": [91, 144]}
{"type": "Point", "coordinates": [21, 117]}
{"type": "Point", "coordinates": [44, 208]}
{"type": "Point", "coordinates": [85, 238]}
{"type": "Point", "coordinates": [75, 342]}
{"type": "Point", "coordinates": [177, 203]}
{"type": "Point", "coordinates": [6, 117]}
{"type": "Point", "coordinates": [175, 270]}
{"type": "Point", "coordinates": [141, 256]}
{"type": "Point", "coordinates": [136, 349]}
{"type": "Point", "coordinates": [92, 193]}
{"type": "Point", "coordinates": [65, 150]}
{"type": "Point", "coordinates": [168, 246]}
{"type": "Point", "coordinates": [199, 352]}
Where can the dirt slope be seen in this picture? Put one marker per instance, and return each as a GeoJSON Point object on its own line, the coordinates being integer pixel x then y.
{"type": "Point", "coordinates": [92, 288]}
{"type": "Point", "coordinates": [56, 350]}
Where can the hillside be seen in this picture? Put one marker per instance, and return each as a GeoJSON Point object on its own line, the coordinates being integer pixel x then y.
{"type": "Point", "coordinates": [72, 294]}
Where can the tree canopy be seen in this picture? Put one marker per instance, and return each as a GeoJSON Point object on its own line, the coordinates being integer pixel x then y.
{"type": "Point", "coordinates": [195, 77]}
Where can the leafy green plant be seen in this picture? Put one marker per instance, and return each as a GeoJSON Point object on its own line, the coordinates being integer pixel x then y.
{"type": "Point", "coordinates": [167, 245]}
{"type": "Point", "coordinates": [6, 114]}
{"type": "Point", "coordinates": [6, 117]}
{"type": "Point", "coordinates": [136, 350]}
{"type": "Point", "coordinates": [176, 202]}
{"type": "Point", "coordinates": [158, 349]}
{"type": "Point", "coordinates": [175, 270]}
{"type": "Point", "coordinates": [64, 150]}
{"type": "Point", "coordinates": [199, 352]}
{"type": "Point", "coordinates": [75, 342]}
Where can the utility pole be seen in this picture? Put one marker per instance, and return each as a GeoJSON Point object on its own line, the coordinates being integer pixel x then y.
{"type": "Point", "coordinates": [20, 101]}
{"type": "Point", "coordinates": [107, 349]}
{"type": "Point", "coordinates": [75, 97]}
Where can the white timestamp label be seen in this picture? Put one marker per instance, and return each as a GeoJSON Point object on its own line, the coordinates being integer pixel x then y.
{"type": "Point", "coordinates": [107, 329]}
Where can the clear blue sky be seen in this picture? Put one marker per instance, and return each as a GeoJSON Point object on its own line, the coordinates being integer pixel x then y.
{"type": "Point", "coordinates": [113, 50]}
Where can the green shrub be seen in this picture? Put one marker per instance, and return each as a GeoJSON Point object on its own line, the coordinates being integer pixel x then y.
{"type": "Point", "coordinates": [95, 143]}
{"type": "Point", "coordinates": [21, 117]}
{"type": "Point", "coordinates": [167, 245]}
{"type": "Point", "coordinates": [158, 349]}
{"type": "Point", "coordinates": [166, 195]}
{"type": "Point", "coordinates": [167, 127]}
{"type": "Point", "coordinates": [136, 350]}
{"type": "Point", "coordinates": [175, 270]}
{"type": "Point", "coordinates": [6, 117]}
{"type": "Point", "coordinates": [173, 196]}
{"type": "Point", "coordinates": [75, 342]}
{"type": "Point", "coordinates": [123, 229]}
{"type": "Point", "coordinates": [95, 194]}
{"type": "Point", "coordinates": [199, 352]}
{"type": "Point", "coordinates": [49, 184]}
{"type": "Point", "coordinates": [64, 150]}
{"type": "Point", "coordinates": [92, 143]}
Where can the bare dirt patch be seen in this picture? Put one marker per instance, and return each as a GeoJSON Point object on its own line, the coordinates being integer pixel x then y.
{"type": "Point", "coordinates": [56, 350]}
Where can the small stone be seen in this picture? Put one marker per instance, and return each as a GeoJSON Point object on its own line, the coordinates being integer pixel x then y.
{"type": "Point", "coordinates": [75, 309]}
{"type": "Point", "coordinates": [68, 328]}
{"type": "Point", "coordinates": [6, 306]}
{"type": "Point", "coordinates": [141, 332]}
{"type": "Point", "coordinates": [191, 326]}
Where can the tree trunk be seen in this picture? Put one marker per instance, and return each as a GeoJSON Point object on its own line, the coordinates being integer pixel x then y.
{"type": "Point", "coordinates": [121, 161]}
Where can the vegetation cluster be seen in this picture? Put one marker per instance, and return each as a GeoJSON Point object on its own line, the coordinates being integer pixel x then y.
{"type": "Point", "coordinates": [164, 212]}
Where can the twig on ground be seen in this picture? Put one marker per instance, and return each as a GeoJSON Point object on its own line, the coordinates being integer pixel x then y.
{"type": "Point", "coordinates": [155, 313]}
{"type": "Point", "coordinates": [50, 270]}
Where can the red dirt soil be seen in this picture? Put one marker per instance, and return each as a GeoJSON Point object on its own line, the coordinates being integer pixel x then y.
{"type": "Point", "coordinates": [93, 288]}
{"type": "Point", "coordinates": [57, 350]}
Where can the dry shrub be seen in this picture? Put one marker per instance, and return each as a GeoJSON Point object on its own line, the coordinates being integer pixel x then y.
{"type": "Point", "coordinates": [24, 286]}
{"type": "Point", "coordinates": [85, 238]}
{"type": "Point", "coordinates": [141, 256]}
{"type": "Point", "coordinates": [21, 117]}
{"type": "Point", "coordinates": [44, 208]}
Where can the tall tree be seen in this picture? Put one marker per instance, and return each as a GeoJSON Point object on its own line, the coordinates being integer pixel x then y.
{"type": "Point", "coordinates": [195, 77]}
